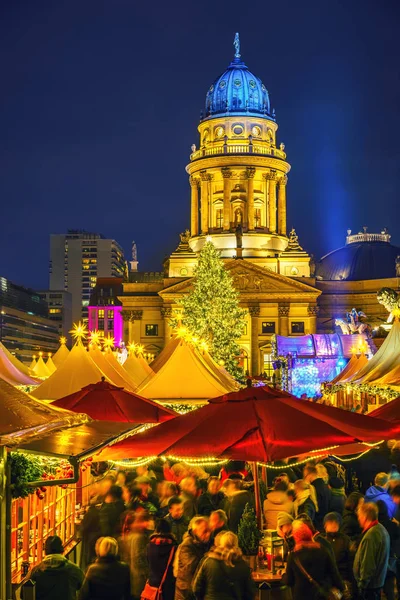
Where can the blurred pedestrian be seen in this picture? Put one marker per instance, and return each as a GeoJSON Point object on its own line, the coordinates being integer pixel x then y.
{"type": "Point", "coordinates": [189, 496]}
{"type": "Point", "coordinates": [277, 501]}
{"type": "Point", "coordinates": [350, 525]}
{"type": "Point", "coordinates": [338, 496]}
{"type": "Point", "coordinates": [194, 546]}
{"type": "Point", "coordinates": [178, 522]}
{"type": "Point", "coordinates": [111, 511]}
{"type": "Point", "coordinates": [160, 552]}
{"type": "Point", "coordinates": [218, 522]}
{"type": "Point", "coordinates": [212, 499]}
{"type": "Point", "coordinates": [107, 578]}
{"type": "Point", "coordinates": [305, 499]}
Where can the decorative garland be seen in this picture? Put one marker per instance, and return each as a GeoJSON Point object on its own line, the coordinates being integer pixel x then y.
{"type": "Point", "coordinates": [26, 468]}
{"type": "Point", "coordinates": [361, 388]}
{"type": "Point", "coordinates": [182, 409]}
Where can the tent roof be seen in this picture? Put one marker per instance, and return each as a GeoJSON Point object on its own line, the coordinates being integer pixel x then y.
{"type": "Point", "coordinates": [14, 360]}
{"type": "Point", "coordinates": [184, 376]}
{"type": "Point", "coordinates": [222, 375]}
{"type": "Point", "coordinates": [21, 416]}
{"type": "Point", "coordinates": [72, 375]}
{"type": "Point", "coordinates": [10, 372]}
{"type": "Point", "coordinates": [386, 359]}
{"type": "Point", "coordinates": [108, 369]}
{"type": "Point", "coordinates": [106, 402]}
{"type": "Point", "coordinates": [78, 441]}
{"type": "Point", "coordinates": [356, 363]}
{"type": "Point", "coordinates": [137, 368]}
{"type": "Point", "coordinates": [61, 354]}
{"type": "Point", "coordinates": [116, 365]}
{"type": "Point", "coordinates": [50, 365]}
{"type": "Point", "coordinates": [164, 355]}
{"type": "Point", "coordinates": [40, 369]}
{"type": "Point", "coordinates": [389, 411]}
{"type": "Point", "coordinates": [253, 424]}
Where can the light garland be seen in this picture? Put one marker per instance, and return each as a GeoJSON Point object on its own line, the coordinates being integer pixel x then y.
{"type": "Point", "coordinates": [195, 462]}
{"type": "Point", "coordinates": [353, 457]}
{"type": "Point", "coordinates": [361, 388]}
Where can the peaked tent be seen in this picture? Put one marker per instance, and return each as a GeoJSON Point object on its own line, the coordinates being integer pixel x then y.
{"type": "Point", "coordinates": [164, 355]}
{"type": "Point", "coordinates": [183, 376]}
{"type": "Point", "coordinates": [10, 372]}
{"type": "Point", "coordinates": [137, 368]}
{"type": "Point", "coordinates": [14, 360]}
{"type": "Point", "coordinates": [33, 363]}
{"type": "Point", "coordinates": [113, 375]}
{"type": "Point", "coordinates": [61, 354]}
{"type": "Point", "coordinates": [23, 416]}
{"type": "Point", "coordinates": [116, 365]}
{"type": "Point", "coordinates": [253, 425]}
{"type": "Point", "coordinates": [50, 365]}
{"type": "Point", "coordinates": [384, 361]}
{"type": "Point", "coordinates": [222, 374]}
{"type": "Point", "coordinates": [106, 402]}
{"type": "Point", "coordinates": [40, 369]}
{"type": "Point", "coordinates": [356, 363]}
{"type": "Point", "coordinates": [75, 372]}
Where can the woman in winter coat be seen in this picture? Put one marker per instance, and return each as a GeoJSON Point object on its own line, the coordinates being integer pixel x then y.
{"type": "Point", "coordinates": [305, 500]}
{"type": "Point", "coordinates": [311, 558]}
{"type": "Point", "coordinates": [160, 552]}
{"type": "Point", "coordinates": [223, 574]}
{"type": "Point", "coordinates": [188, 556]}
{"type": "Point", "coordinates": [350, 525]}
{"type": "Point", "coordinates": [107, 578]}
{"type": "Point", "coordinates": [277, 501]}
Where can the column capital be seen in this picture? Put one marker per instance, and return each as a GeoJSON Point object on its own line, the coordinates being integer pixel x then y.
{"type": "Point", "coordinates": [166, 312]}
{"type": "Point", "coordinates": [194, 181]}
{"type": "Point", "coordinates": [137, 315]}
{"type": "Point", "coordinates": [250, 172]}
{"type": "Point", "coordinates": [226, 172]}
{"type": "Point", "coordinates": [205, 176]}
{"type": "Point", "coordinates": [283, 310]}
{"type": "Point", "coordinates": [126, 315]}
{"type": "Point", "coordinates": [271, 175]}
{"type": "Point", "coordinates": [254, 311]}
{"type": "Point", "coordinates": [313, 310]}
{"type": "Point", "coordinates": [283, 180]}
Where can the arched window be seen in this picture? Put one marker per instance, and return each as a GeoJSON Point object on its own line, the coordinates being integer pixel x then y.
{"type": "Point", "coordinates": [238, 216]}
{"type": "Point", "coordinates": [257, 217]}
{"type": "Point", "coordinates": [219, 218]}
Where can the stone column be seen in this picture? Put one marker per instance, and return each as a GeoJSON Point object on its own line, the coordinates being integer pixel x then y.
{"type": "Point", "coordinates": [227, 174]}
{"type": "Point", "coordinates": [265, 222]}
{"type": "Point", "coordinates": [255, 352]}
{"type": "Point", "coordinates": [127, 316]}
{"type": "Point", "coordinates": [272, 201]}
{"type": "Point", "coordinates": [205, 178]}
{"type": "Point", "coordinates": [194, 220]}
{"type": "Point", "coordinates": [282, 206]}
{"type": "Point", "coordinates": [250, 172]}
{"type": "Point", "coordinates": [313, 311]}
{"type": "Point", "coordinates": [283, 312]}
{"type": "Point", "coordinates": [166, 313]}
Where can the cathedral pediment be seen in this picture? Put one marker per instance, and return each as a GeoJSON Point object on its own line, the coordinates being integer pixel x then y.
{"type": "Point", "coordinates": [249, 278]}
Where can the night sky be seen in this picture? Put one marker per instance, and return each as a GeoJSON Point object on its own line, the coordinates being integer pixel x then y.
{"type": "Point", "coordinates": [101, 99]}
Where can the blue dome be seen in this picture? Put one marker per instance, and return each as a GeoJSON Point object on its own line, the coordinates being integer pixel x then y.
{"type": "Point", "coordinates": [237, 91]}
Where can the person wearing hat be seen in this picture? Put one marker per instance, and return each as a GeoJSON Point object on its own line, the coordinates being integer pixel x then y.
{"type": "Point", "coordinates": [338, 496]}
{"type": "Point", "coordinates": [56, 577]}
{"type": "Point", "coordinates": [284, 524]}
{"type": "Point", "coordinates": [340, 544]}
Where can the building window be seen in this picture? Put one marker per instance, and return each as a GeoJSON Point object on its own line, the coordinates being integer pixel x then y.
{"type": "Point", "coordinates": [151, 330]}
{"type": "Point", "coordinates": [110, 325]}
{"type": "Point", "coordinates": [100, 314]}
{"type": "Point", "coordinates": [110, 314]}
{"type": "Point", "coordinates": [268, 327]}
{"type": "Point", "coordinates": [220, 218]}
{"type": "Point", "coordinates": [100, 324]}
{"type": "Point", "coordinates": [238, 216]}
{"type": "Point", "coordinates": [257, 217]}
{"type": "Point", "coordinates": [297, 327]}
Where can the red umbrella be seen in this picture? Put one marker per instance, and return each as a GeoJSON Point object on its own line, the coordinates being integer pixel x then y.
{"type": "Point", "coordinates": [106, 402]}
{"type": "Point", "coordinates": [389, 411]}
{"type": "Point", "coordinates": [253, 424]}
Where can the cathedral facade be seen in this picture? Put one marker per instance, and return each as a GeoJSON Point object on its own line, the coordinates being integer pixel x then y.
{"type": "Point", "coordinates": [238, 177]}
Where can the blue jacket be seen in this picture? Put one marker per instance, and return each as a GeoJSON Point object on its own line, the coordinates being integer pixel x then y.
{"type": "Point", "coordinates": [372, 558]}
{"type": "Point", "coordinates": [375, 493]}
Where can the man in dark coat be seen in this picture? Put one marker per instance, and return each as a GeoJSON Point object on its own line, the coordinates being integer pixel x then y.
{"type": "Point", "coordinates": [194, 546]}
{"type": "Point", "coordinates": [237, 498]}
{"type": "Point", "coordinates": [218, 522]}
{"type": "Point", "coordinates": [372, 557]}
{"type": "Point", "coordinates": [338, 496]}
{"type": "Point", "coordinates": [189, 496]}
{"type": "Point", "coordinates": [176, 519]}
{"type": "Point", "coordinates": [111, 511]}
{"type": "Point", "coordinates": [56, 577]}
{"type": "Point", "coordinates": [340, 544]}
{"type": "Point", "coordinates": [323, 495]}
{"type": "Point", "coordinates": [212, 499]}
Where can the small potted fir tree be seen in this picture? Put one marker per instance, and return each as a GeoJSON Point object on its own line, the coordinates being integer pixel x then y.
{"type": "Point", "coordinates": [249, 536]}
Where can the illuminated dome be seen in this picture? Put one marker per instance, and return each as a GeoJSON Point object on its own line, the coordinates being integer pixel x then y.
{"type": "Point", "coordinates": [237, 91]}
{"type": "Point", "coordinates": [365, 256]}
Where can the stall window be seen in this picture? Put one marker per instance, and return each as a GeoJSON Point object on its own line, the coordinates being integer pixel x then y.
{"type": "Point", "coordinates": [268, 327]}
{"type": "Point", "coordinates": [151, 330]}
{"type": "Point", "coordinates": [297, 326]}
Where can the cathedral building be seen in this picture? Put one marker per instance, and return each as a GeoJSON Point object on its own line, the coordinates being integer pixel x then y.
{"type": "Point", "coordinates": [238, 175]}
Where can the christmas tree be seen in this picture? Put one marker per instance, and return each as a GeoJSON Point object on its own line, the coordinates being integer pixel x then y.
{"type": "Point", "coordinates": [248, 533]}
{"type": "Point", "coordinates": [211, 311]}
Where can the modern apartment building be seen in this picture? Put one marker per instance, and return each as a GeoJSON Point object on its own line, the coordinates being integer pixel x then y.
{"type": "Point", "coordinates": [77, 259]}
{"type": "Point", "coordinates": [25, 328]}
{"type": "Point", "coordinates": [60, 309]}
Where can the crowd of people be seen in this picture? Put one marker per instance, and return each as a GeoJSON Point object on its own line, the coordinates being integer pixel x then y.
{"type": "Point", "coordinates": [177, 532]}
